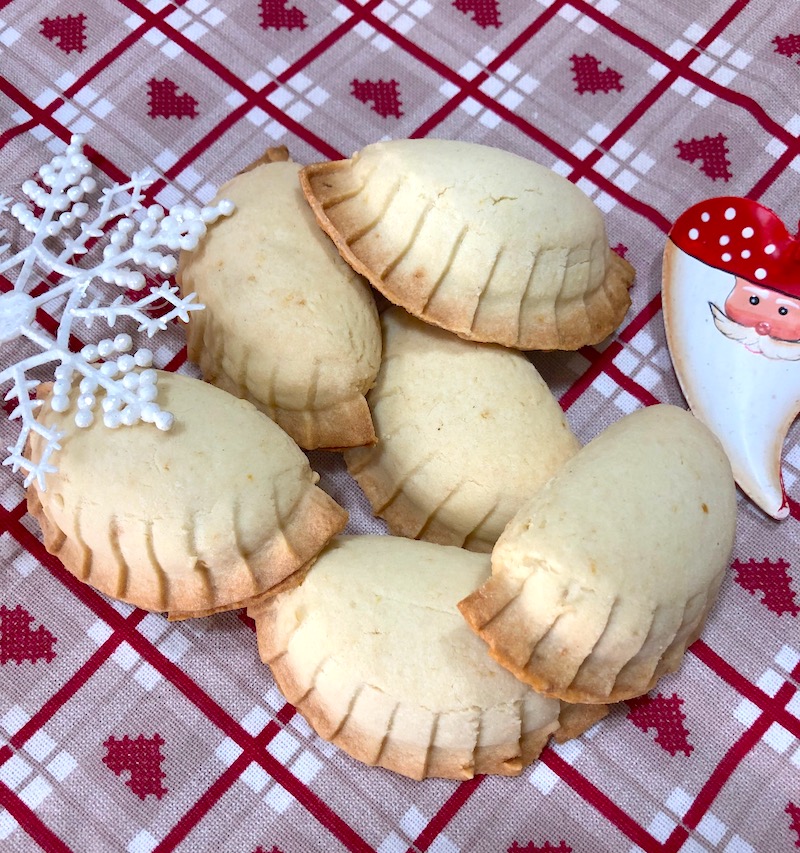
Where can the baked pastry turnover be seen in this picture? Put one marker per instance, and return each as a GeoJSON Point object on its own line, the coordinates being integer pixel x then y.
{"type": "Point", "coordinates": [219, 510]}
{"type": "Point", "coordinates": [605, 576]}
{"type": "Point", "coordinates": [466, 433]}
{"type": "Point", "coordinates": [476, 240]}
{"type": "Point", "coordinates": [372, 651]}
{"type": "Point", "coordinates": [288, 325]}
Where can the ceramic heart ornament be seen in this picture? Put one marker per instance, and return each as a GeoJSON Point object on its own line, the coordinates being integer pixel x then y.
{"type": "Point", "coordinates": [731, 298]}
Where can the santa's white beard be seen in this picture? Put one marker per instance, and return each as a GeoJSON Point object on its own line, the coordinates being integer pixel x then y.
{"type": "Point", "coordinates": [750, 338]}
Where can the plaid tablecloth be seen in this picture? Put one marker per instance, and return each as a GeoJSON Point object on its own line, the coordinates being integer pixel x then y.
{"type": "Point", "coordinates": [122, 731]}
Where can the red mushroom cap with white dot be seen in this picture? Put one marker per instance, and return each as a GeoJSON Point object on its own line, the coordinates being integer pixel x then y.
{"type": "Point", "coordinates": [741, 237]}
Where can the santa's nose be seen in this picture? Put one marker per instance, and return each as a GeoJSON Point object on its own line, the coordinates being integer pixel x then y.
{"type": "Point", "coordinates": [762, 328]}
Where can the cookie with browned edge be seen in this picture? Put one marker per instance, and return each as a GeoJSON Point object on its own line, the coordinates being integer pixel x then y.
{"type": "Point", "coordinates": [287, 324]}
{"type": "Point", "coordinates": [479, 241]}
{"type": "Point", "coordinates": [214, 513]}
{"type": "Point", "coordinates": [466, 431]}
{"type": "Point", "coordinates": [371, 649]}
{"type": "Point", "coordinates": [606, 575]}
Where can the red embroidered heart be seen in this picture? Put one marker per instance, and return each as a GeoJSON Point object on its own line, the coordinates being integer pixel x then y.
{"type": "Point", "coordinates": [384, 95]}
{"type": "Point", "coordinates": [712, 153]}
{"type": "Point", "coordinates": [485, 13]}
{"type": "Point", "coordinates": [165, 102]}
{"type": "Point", "coordinates": [589, 77]}
{"type": "Point", "coordinates": [742, 237]}
{"type": "Point", "coordinates": [665, 716]}
{"type": "Point", "coordinates": [68, 32]}
{"type": "Point", "coordinates": [546, 847]}
{"type": "Point", "coordinates": [794, 813]}
{"type": "Point", "coordinates": [788, 45]}
{"type": "Point", "coordinates": [142, 759]}
{"type": "Point", "coordinates": [18, 642]}
{"type": "Point", "coordinates": [275, 15]}
{"type": "Point", "coordinates": [772, 580]}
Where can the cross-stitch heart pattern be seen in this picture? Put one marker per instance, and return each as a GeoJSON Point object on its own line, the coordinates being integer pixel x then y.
{"type": "Point", "coordinates": [141, 758]}
{"type": "Point", "coordinates": [589, 77]}
{"type": "Point", "coordinates": [771, 578]}
{"type": "Point", "coordinates": [384, 95]}
{"type": "Point", "coordinates": [278, 15]}
{"type": "Point", "coordinates": [711, 151]}
{"type": "Point", "coordinates": [68, 32]}
{"type": "Point", "coordinates": [662, 713]}
{"type": "Point", "coordinates": [787, 45]}
{"type": "Point", "coordinates": [19, 641]}
{"type": "Point", "coordinates": [485, 13]}
{"type": "Point", "coordinates": [794, 814]}
{"type": "Point", "coordinates": [544, 847]}
{"type": "Point", "coordinates": [167, 101]}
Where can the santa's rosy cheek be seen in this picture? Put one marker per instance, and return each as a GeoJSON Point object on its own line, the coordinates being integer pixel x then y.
{"type": "Point", "coordinates": [786, 322]}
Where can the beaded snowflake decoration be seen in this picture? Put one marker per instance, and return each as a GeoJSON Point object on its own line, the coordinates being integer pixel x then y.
{"type": "Point", "coordinates": [65, 228]}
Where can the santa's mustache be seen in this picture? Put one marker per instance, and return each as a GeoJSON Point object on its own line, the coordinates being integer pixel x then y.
{"type": "Point", "coordinates": [749, 337]}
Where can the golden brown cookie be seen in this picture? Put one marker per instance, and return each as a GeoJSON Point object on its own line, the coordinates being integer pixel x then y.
{"type": "Point", "coordinates": [476, 240]}
{"type": "Point", "coordinates": [216, 512]}
{"type": "Point", "coordinates": [466, 432]}
{"type": "Point", "coordinates": [372, 651]}
{"type": "Point", "coordinates": [288, 325]}
{"type": "Point", "coordinates": [605, 576]}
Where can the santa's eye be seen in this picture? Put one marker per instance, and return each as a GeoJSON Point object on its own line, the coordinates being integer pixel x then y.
{"type": "Point", "coordinates": [783, 310]}
{"type": "Point", "coordinates": [754, 300]}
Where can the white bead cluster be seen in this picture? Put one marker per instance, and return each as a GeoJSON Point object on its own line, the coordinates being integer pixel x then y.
{"type": "Point", "coordinates": [68, 175]}
{"type": "Point", "coordinates": [130, 391]}
{"type": "Point", "coordinates": [178, 230]}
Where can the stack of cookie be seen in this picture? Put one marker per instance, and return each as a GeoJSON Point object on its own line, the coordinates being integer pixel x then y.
{"type": "Point", "coordinates": [552, 579]}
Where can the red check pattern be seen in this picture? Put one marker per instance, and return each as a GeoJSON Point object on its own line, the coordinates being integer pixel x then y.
{"type": "Point", "coordinates": [121, 731]}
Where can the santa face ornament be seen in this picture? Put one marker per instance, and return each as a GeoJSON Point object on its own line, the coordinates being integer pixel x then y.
{"type": "Point", "coordinates": [767, 313]}
{"type": "Point", "coordinates": [731, 298]}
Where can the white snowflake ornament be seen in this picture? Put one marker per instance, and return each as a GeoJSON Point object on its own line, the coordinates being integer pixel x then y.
{"type": "Point", "coordinates": [128, 384]}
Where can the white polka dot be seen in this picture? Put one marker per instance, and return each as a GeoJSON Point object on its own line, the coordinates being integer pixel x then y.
{"type": "Point", "coordinates": [747, 232]}
{"type": "Point", "coordinates": [726, 256]}
{"type": "Point", "coordinates": [768, 250]}
{"type": "Point", "coordinates": [730, 213]}
{"type": "Point", "coordinates": [746, 253]}
{"type": "Point", "coordinates": [693, 233]}
{"type": "Point", "coordinates": [761, 273]}
{"type": "Point", "coordinates": [724, 240]}
{"type": "Point", "coordinates": [705, 217]}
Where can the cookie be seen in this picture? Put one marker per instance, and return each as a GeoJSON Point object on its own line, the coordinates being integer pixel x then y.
{"type": "Point", "coordinates": [466, 432]}
{"type": "Point", "coordinates": [476, 240]}
{"type": "Point", "coordinates": [288, 325]}
{"type": "Point", "coordinates": [372, 651]}
{"type": "Point", "coordinates": [221, 509]}
{"type": "Point", "coordinates": [605, 576]}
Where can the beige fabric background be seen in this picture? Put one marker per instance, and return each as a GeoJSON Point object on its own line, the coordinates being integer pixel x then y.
{"type": "Point", "coordinates": [649, 108]}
